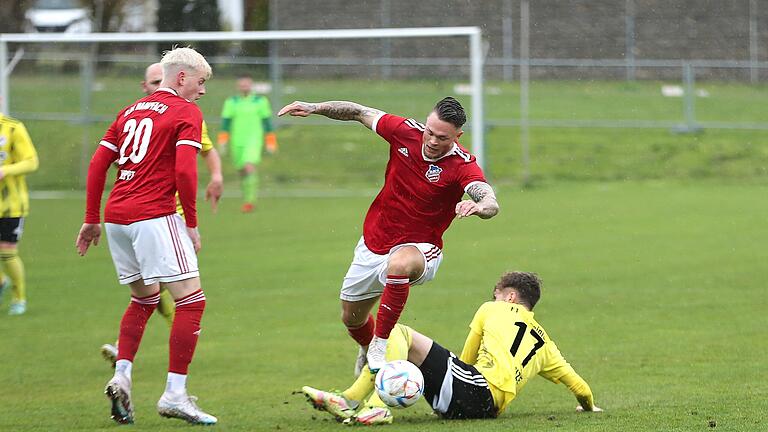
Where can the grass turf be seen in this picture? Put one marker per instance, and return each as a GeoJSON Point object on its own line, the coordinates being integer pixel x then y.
{"type": "Point", "coordinates": [653, 291]}
{"type": "Point", "coordinates": [335, 154]}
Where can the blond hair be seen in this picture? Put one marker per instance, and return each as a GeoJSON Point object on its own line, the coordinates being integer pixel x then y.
{"type": "Point", "coordinates": [181, 58]}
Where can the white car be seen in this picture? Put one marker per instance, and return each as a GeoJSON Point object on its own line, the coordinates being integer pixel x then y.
{"type": "Point", "coordinates": [58, 16]}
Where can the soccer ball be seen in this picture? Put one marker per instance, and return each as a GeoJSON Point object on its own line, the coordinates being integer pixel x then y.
{"type": "Point", "coordinates": [399, 383]}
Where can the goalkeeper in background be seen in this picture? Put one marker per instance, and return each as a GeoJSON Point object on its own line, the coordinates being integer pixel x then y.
{"type": "Point", "coordinates": [246, 129]}
{"type": "Point", "coordinates": [18, 157]}
{"type": "Point", "coordinates": [152, 78]}
{"type": "Point", "coordinates": [504, 349]}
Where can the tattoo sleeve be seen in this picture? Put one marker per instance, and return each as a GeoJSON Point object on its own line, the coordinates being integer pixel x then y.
{"type": "Point", "coordinates": [479, 190]}
{"type": "Point", "coordinates": [482, 194]}
{"type": "Point", "coordinates": [343, 110]}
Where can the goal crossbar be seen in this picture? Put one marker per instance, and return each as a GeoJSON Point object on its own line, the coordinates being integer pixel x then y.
{"type": "Point", "coordinates": [243, 35]}
{"type": "Point", "coordinates": [474, 34]}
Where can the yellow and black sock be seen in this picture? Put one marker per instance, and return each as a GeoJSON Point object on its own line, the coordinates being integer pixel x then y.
{"type": "Point", "coordinates": [14, 268]}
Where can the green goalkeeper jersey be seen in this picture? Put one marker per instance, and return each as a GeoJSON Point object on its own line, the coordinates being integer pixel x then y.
{"type": "Point", "coordinates": [246, 119]}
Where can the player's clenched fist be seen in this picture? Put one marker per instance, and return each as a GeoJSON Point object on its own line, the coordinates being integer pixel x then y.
{"type": "Point", "coordinates": [298, 108]}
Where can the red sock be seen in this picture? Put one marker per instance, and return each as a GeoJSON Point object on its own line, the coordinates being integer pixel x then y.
{"type": "Point", "coordinates": [185, 331]}
{"type": "Point", "coordinates": [133, 324]}
{"type": "Point", "coordinates": [392, 304]}
{"type": "Point", "coordinates": [364, 333]}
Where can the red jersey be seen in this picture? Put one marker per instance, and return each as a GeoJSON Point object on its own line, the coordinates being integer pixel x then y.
{"type": "Point", "coordinates": [144, 137]}
{"type": "Point", "coordinates": [419, 197]}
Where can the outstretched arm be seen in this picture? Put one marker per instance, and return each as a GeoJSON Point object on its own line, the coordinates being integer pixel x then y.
{"type": "Point", "coordinates": [558, 370]}
{"type": "Point", "coordinates": [483, 203]}
{"type": "Point", "coordinates": [581, 390]}
{"type": "Point", "coordinates": [337, 110]}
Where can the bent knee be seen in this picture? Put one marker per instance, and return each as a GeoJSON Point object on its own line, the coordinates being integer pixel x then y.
{"type": "Point", "coordinates": [352, 319]}
{"type": "Point", "coordinates": [406, 261]}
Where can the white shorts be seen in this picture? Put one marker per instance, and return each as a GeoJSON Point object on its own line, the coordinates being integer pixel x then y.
{"type": "Point", "coordinates": [367, 274]}
{"type": "Point", "coordinates": [155, 250]}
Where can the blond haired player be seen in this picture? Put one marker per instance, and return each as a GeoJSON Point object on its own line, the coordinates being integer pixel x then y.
{"type": "Point", "coordinates": [153, 75]}
{"type": "Point", "coordinates": [17, 159]}
{"type": "Point", "coordinates": [155, 142]}
{"type": "Point", "coordinates": [505, 348]}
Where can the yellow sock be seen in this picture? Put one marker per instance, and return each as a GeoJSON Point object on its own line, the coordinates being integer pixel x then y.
{"type": "Point", "coordinates": [13, 266]}
{"type": "Point", "coordinates": [399, 342]}
{"type": "Point", "coordinates": [3, 280]}
{"type": "Point", "coordinates": [167, 306]}
{"type": "Point", "coordinates": [361, 388]}
{"type": "Point", "coordinates": [375, 401]}
{"type": "Point", "coordinates": [397, 349]}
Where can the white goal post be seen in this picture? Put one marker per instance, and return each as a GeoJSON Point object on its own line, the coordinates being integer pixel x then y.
{"type": "Point", "coordinates": [474, 35]}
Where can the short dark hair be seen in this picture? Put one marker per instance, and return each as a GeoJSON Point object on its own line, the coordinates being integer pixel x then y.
{"type": "Point", "coordinates": [450, 110]}
{"type": "Point", "coordinates": [527, 285]}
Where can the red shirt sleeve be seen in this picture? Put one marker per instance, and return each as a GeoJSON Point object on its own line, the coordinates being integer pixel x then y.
{"type": "Point", "coordinates": [186, 182]}
{"type": "Point", "coordinates": [470, 172]}
{"type": "Point", "coordinates": [190, 127]}
{"type": "Point", "coordinates": [111, 136]}
{"type": "Point", "coordinates": [97, 176]}
{"type": "Point", "coordinates": [387, 125]}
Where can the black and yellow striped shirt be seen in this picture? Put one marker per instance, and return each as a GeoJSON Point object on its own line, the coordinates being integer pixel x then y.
{"type": "Point", "coordinates": [17, 158]}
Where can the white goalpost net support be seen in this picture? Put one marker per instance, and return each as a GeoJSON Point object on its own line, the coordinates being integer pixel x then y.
{"type": "Point", "coordinates": [473, 34]}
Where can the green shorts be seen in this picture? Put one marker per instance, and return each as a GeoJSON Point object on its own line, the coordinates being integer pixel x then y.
{"type": "Point", "coordinates": [242, 155]}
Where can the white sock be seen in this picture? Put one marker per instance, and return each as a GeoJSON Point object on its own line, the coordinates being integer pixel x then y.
{"type": "Point", "coordinates": [124, 367]}
{"type": "Point", "coordinates": [177, 383]}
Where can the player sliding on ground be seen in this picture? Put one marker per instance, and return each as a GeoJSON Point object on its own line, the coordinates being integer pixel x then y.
{"type": "Point", "coordinates": [155, 143]}
{"type": "Point", "coordinates": [427, 175]}
{"type": "Point", "coordinates": [504, 349]}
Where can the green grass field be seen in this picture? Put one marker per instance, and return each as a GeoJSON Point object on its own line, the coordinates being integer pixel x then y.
{"type": "Point", "coordinates": [650, 245]}
{"type": "Point", "coordinates": [334, 154]}
{"type": "Point", "coordinates": [654, 291]}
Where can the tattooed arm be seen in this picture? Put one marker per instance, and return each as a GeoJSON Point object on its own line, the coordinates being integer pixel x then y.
{"type": "Point", "coordinates": [483, 203]}
{"type": "Point", "coordinates": [337, 110]}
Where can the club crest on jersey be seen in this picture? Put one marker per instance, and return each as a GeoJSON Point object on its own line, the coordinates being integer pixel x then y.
{"type": "Point", "coordinates": [433, 173]}
{"type": "Point", "coordinates": [404, 151]}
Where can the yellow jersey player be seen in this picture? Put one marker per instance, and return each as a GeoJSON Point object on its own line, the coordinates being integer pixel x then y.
{"type": "Point", "coordinates": [504, 349]}
{"type": "Point", "coordinates": [152, 78]}
{"type": "Point", "coordinates": [17, 159]}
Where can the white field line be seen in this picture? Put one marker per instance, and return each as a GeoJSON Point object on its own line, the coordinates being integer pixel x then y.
{"type": "Point", "coordinates": [274, 193]}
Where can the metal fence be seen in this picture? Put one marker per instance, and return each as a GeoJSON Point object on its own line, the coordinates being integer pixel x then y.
{"type": "Point", "coordinates": [280, 67]}
{"type": "Point", "coordinates": [683, 72]}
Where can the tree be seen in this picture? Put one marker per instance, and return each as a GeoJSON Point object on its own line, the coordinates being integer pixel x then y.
{"type": "Point", "coordinates": [190, 15]}
{"type": "Point", "coordinates": [12, 16]}
{"type": "Point", "coordinates": [105, 12]}
{"type": "Point", "coordinates": [256, 18]}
